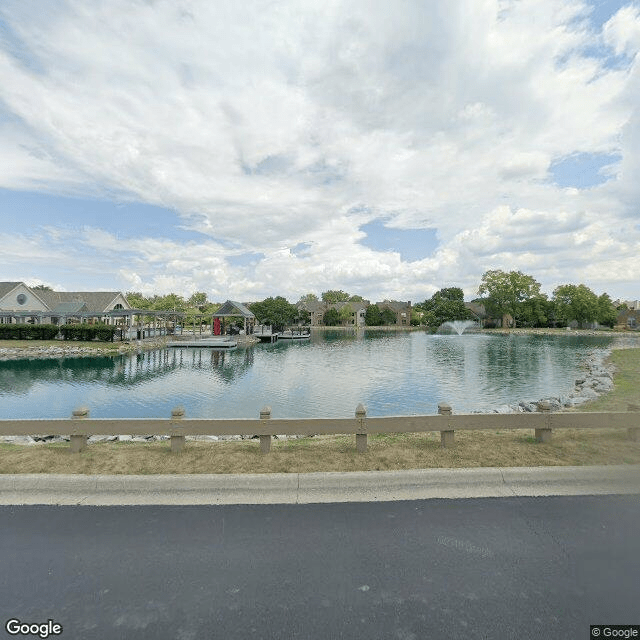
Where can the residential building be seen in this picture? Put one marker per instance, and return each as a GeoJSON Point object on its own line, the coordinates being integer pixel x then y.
{"type": "Point", "coordinates": [20, 303]}
{"type": "Point", "coordinates": [315, 309]}
{"type": "Point", "coordinates": [401, 309]}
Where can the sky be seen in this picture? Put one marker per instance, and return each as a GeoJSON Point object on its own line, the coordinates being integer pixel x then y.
{"type": "Point", "coordinates": [258, 148]}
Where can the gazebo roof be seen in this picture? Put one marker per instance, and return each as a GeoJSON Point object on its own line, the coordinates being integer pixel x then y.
{"type": "Point", "coordinates": [231, 308]}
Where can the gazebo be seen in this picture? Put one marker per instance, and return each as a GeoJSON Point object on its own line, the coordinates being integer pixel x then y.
{"type": "Point", "coordinates": [231, 309]}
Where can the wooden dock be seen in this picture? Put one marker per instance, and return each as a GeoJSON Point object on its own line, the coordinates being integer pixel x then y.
{"type": "Point", "coordinates": [206, 343]}
{"type": "Point", "coordinates": [294, 335]}
{"type": "Point", "coordinates": [265, 333]}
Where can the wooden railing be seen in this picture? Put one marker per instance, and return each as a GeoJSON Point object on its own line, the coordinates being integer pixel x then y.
{"type": "Point", "coordinates": [80, 426]}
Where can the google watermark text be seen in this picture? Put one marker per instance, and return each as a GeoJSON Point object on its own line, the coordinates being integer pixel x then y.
{"type": "Point", "coordinates": [15, 627]}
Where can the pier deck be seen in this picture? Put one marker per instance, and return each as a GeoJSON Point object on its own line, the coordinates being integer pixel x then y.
{"type": "Point", "coordinates": [206, 343]}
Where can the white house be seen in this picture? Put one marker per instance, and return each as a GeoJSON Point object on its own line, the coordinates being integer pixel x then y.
{"type": "Point", "coordinates": [20, 303]}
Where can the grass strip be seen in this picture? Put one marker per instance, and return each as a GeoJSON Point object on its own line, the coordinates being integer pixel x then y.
{"type": "Point", "coordinates": [626, 389]}
{"type": "Point", "coordinates": [507, 448]}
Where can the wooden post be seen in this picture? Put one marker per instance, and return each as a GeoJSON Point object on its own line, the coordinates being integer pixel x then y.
{"type": "Point", "coordinates": [177, 441]}
{"type": "Point", "coordinates": [634, 432]}
{"type": "Point", "coordinates": [446, 436]}
{"type": "Point", "coordinates": [265, 440]}
{"type": "Point", "coordinates": [361, 433]}
{"type": "Point", "coordinates": [544, 434]}
{"type": "Point", "coordinates": [79, 441]}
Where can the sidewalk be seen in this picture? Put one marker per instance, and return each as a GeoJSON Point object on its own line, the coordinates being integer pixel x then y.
{"type": "Point", "coordinates": [284, 488]}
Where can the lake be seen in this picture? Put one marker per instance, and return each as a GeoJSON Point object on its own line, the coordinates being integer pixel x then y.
{"type": "Point", "coordinates": [391, 373]}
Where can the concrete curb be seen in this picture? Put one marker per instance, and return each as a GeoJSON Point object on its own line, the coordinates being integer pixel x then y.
{"type": "Point", "coordinates": [303, 488]}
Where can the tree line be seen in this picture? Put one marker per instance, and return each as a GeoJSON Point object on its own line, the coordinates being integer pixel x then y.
{"type": "Point", "coordinates": [197, 303]}
{"type": "Point", "coordinates": [518, 295]}
{"type": "Point", "coordinates": [505, 295]}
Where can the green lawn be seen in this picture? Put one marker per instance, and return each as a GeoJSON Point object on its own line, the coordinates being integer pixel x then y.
{"type": "Point", "coordinates": [626, 380]}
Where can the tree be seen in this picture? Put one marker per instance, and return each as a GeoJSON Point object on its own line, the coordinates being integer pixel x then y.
{"type": "Point", "coordinates": [445, 305]}
{"type": "Point", "coordinates": [198, 299]}
{"type": "Point", "coordinates": [170, 302]}
{"type": "Point", "coordinates": [137, 300]}
{"type": "Point", "coordinates": [575, 302]}
{"type": "Point", "coordinates": [505, 292]}
{"type": "Point", "coordinates": [388, 316]}
{"type": "Point", "coordinates": [331, 318]}
{"type": "Point", "coordinates": [607, 315]}
{"type": "Point", "coordinates": [309, 297]}
{"type": "Point", "coordinates": [332, 296]}
{"type": "Point", "coordinates": [277, 312]}
{"type": "Point", "coordinates": [372, 316]}
{"type": "Point", "coordinates": [210, 307]}
{"type": "Point", "coordinates": [534, 312]}
{"type": "Point", "coordinates": [42, 287]}
{"type": "Point", "coordinates": [346, 314]}
{"type": "Point", "coordinates": [356, 298]}
{"type": "Point", "coordinates": [454, 294]}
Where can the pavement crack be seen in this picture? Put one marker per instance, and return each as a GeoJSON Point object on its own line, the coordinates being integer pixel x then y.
{"type": "Point", "coordinates": [506, 484]}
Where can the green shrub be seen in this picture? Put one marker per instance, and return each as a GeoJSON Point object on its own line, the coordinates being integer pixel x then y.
{"type": "Point", "coordinates": [88, 332]}
{"type": "Point", "coordinates": [28, 331]}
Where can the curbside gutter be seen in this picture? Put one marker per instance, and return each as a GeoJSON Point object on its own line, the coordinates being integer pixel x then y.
{"type": "Point", "coordinates": [307, 488]}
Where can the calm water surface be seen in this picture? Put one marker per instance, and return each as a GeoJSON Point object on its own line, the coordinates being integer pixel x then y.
{"type": "Point", "coordinates": [390, 373]}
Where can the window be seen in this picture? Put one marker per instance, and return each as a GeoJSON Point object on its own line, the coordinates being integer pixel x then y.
{"type": "Point", "coordinates": [21, 298]}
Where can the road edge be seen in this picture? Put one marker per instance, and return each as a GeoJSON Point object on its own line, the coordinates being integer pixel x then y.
{"type": "Point", "coordinates": [308, 488]}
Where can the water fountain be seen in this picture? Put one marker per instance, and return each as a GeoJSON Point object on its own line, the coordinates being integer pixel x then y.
{"type": "Point", "coordinates": [459, 326]}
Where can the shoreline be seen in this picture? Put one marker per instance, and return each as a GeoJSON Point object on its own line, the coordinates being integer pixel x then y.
{"type": "Point", "coordinates": [55, 349]}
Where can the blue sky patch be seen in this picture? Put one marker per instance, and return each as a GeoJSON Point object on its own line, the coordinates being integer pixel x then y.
{"type": "Point", "coordinates": [301, 248]}
{"type": "Point", "coordinates": [22, 211]}
{"type": "Point", "coordinates": [245, 259]}
{"type": "Point", "coordinates": [603, 10]}
{"type": "Point", "coordinates": [14, 46]}
{"type": "Point", "coordinates": [582, 170]}
{"type": "Point", "coordinates": [411, 244]}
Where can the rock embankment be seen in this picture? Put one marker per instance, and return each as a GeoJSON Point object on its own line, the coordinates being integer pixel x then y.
{"type": "Point", "coordinates": [596, 380]}
{"type": "Point", "coordinates": [43, 439]}
{"type": "Point", "coordinates": [69, 350]}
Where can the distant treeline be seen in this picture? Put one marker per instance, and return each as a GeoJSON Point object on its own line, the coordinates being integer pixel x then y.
{"type": "Point", "coordinates": [510, 296]}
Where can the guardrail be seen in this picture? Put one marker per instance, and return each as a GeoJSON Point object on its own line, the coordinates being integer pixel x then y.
{"type": "Point", "coordinates": [80, 426]}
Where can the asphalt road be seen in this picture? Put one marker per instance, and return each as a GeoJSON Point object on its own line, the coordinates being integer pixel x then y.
{"type": "Point", "coordinates": [520, 567]}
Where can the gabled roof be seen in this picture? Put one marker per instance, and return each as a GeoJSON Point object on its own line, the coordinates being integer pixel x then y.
{"type": "Point", "coordinates": [476, 308]}
{"type": "Point", "coordinates": [231, 308]}
{"type": "Point", "coordinates": [351, 304]}
{"type": "Point", "coordinates": [311, 305]}
{"type": "Point", "coordinates": [395, 305]}
{"type": "Point", "coordinates": [94, 300]}
{"type": "Point", "coordinates": [7, 287]}
{"type": "Point", "coordinates": [70, 307]}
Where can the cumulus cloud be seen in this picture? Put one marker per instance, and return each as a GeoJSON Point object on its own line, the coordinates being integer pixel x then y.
{"type": "Point", "coordinates": [267, 125]}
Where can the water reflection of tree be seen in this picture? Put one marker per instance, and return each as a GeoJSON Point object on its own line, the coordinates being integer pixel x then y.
{"type": "Point", "coordinates": [347, 334]}
{"type": "Point", "coordinates": [448, 353]}
{"type": "Point", "coordinates": [19, 376]}
{"type": "Point", "coordinates": [378, 334]}
{"type": "Point", "coordinates": [229, 366]}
